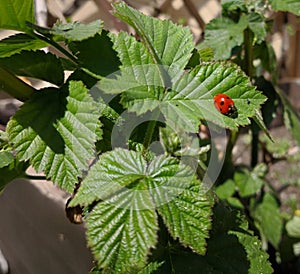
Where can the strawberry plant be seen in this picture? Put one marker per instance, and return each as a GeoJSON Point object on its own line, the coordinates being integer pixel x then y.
{"type": "Point", "coordinates": [121, 134]}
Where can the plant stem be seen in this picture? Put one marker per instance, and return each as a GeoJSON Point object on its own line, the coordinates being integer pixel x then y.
{"type": "Point", "coordinates": [248, 58]}
{"type": "Point", "coordinates": [14, 86]}
{"type": "Point", "coordinates": [248, 68]}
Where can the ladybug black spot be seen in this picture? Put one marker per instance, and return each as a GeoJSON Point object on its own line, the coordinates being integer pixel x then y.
{"type": "Point", "coordinates": [222, 103]}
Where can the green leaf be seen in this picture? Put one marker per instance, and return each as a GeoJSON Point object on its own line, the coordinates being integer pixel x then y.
{"type": "Point", "coordinates": [114, 171]}
{"type": "Point", "coordinates": [231, 223]}
{"type": "Point", "coordinates": [124, 185]}
{"type": "Point", "coordinates": [38, 64]}
{"type": "Point", "coordinates": [268, 219]}
{"type": "Point", "coordinates": [226, 190]}
{"type": "Point", "coordinates": [191, 95]}
{"type": "Point", "coordinates": [15, 13]}
{"type": "Point", "coordinates": [187, 216]}
{"type": "Point", "coordinates": [6, 158]}
{"type": "Point", "coordinates": [14, 86]}
{"type": "Point", "coordinates": [76, 31]}
{"type": "Point", "coordinates": [151, 267]}
{"type": "Point", "coordinates": [293, 227]}
{"type": "Point", "coordinates": [232, 248]}
{"type": "Point", "coordinates": [121, 232]}
{"type": "Point", "coordinates": [258, 26]}
{"type": "Point", "coordinates": [223, 34]}
{"type": "Point", "coordinates": [18, 42]}
{"type": "Point", "coordinates": [249, 183]}
{"type": "Point", "coordinates": [96, 54]}
{"type": "Point", "coordinates": [13, 170]}
{"type": "Point", "coordinates": [56, 131]}
{"type": "Point", "coordinates": [292, 6]}
{"type": "Point", "coordinates": [159, 37]}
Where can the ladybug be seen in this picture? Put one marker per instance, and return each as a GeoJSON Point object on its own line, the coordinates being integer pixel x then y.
{"type": "Point", "coordinates": [225, 105]}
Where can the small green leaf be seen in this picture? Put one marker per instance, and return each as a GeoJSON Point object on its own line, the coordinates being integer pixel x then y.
{"type": "Point", "coordinates": [13, 170]}
{"type": "Point", "coordinates": [258, 26]}
{"type": "Point", "coordinates": [293, 227]}
{"type": "Point", "coordinates": [35, 64]}
{"type": "Point", "coordinates": [15, 13]}
{"type": "Point", "coordinates": [292, 6]}
{"type": "Point", "coordinates": [226, 190]}
{"type": "Point", "coordinates": [268, 219]}
{"type": "Point", "coordinates": [223, 34]}
{"type": "Point", "coordinates": [6, 158]}
{"type": "Point", "coordinates": [249, 183]}
{"type": "Point", "coordinates": [56, 131]}
{"type": "Point", "coordinates": [76, 31]}
{"type": "Point", "coordinates": [18, 42]}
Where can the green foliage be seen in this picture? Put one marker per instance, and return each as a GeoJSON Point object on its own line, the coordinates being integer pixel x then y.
{"type": "Point", "coordinates": [124, 133]}
{"type": "Point", "coordinates": [18, 42]}
{"type": "Point", "coordinates": [55, 130]}
{"type": "Point", "coordinates": [267, 216]}
{"type": "Point", "coordinates": [76, 31]}
{"type": "Point", "coordinates": [292, 6]}
{"type": "Point", "coordinates": [40, 65]}
{"type": "Point", "coordinates": [15, 13]}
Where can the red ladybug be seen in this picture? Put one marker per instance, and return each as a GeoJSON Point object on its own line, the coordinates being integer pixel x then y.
{"type": "Point", "coordinates": [225, 105]}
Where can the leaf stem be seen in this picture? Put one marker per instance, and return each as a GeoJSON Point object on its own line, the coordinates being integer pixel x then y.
{"type": "Point", "coordinates": [58, 47]}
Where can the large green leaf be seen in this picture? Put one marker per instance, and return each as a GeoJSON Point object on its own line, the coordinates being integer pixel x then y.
{"type": "Point", "coordinates": [167, 43]}
{"type": "Point", "coordinates": [125, 185]}
{"type": "Point", "coordinates": [223, 34]}
{"type": "Point", "coordinates": [268, 219]}
{"type": "Point", "coordinates": [18, 42]}
{"type": "Point", "coordinates": [190, 98]}
{"type": "Point", "coordinates": [35, 64]}
{"type": "Point", "coordinates": [56, 131]}
{"type": "Point", "coordinates": [292, 6]}
{"type": "Point", "coordinates": [15, 13]}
